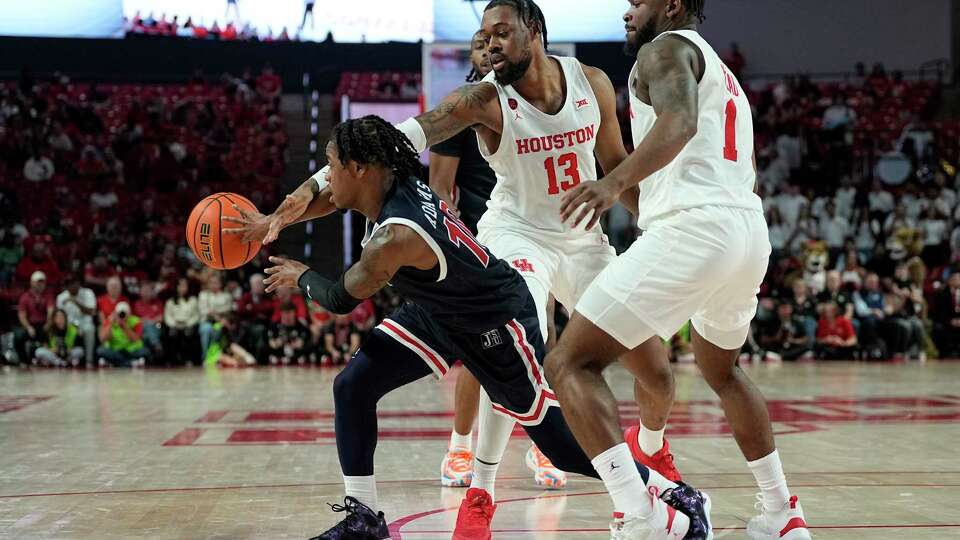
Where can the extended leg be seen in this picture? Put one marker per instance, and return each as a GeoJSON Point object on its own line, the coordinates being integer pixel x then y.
{"type": "Point", "coordinates": [356, 390]}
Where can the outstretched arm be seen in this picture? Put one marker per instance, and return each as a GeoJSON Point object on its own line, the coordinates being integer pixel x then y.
{"type": "Point", "coordinates": [667, 76]}
{"type": "Point", "coordinates": [468, 106]}
{"type": "Point", "coordinates": [392, 248]}
{"type": "Point", "coordinates": [309, 201]}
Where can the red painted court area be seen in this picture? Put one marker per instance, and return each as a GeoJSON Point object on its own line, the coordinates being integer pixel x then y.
{"type": "Point", "coordinates": [15, 403]}
{"type": "Point", "coordinates": [697, 418]}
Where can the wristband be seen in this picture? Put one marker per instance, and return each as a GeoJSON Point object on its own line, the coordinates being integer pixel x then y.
{"type": "Point", "coordinates": [414, 131]}
{"type": "Point", "coordinates": [320, 177]}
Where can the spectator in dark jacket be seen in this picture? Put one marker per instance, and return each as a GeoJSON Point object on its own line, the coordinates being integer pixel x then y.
{"type": "Point", "coordinates": [785, 337]}
{"type": "Point", "coordinates": [946, 317]}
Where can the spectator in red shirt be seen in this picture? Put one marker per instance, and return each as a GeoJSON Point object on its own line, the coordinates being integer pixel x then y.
{"type": "Point", "coordinates": [255, 310]}
{"type": "Point", "coordinates": [41, 261]}
{"type": "Point", "coordinates": [229, 33]}
{"type": "Point", "coordinates": [150, 310]}
{"type": "Point", "coordinates": [836, 339]}
{"type": "Point", "coordinates": [33, 310]}
{"type": "Point", "coordinates": [106, 303]}
{"type": "Point", "coordinates": [364, 316]}
{"type": "Point", "coordinates": [268, 83]}
{"type": "Point", "coordinates": [286, 295]}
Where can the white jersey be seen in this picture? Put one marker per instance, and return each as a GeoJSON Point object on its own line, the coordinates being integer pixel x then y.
{"type": "Point", "coordinates": [541, 155]}
{"type": "Point", "coordinates": [716, 166]}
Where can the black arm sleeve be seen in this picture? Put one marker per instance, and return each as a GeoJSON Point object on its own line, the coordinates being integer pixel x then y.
{"type": "Point", "coordinates": [333, 296]}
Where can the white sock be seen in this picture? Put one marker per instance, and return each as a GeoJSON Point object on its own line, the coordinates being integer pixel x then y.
{"type": "Point", "coordinates": [650, 441]}
{"type": "Point", "coordinates": [623, 481]}
{"type": "Point", "coordinates": [363, 489]}
{"type": "Point", "coordinates": [492, 438]}
{"type": "Point", "coordinates": [773, 484]}
{"type": "Point", "coordinates": [484, 476]}
{"type": "Point", "coordinates": [461, 442]}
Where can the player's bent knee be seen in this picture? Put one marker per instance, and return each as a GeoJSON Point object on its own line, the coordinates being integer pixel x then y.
{"type": "Point", "coordinates": [350, 384]}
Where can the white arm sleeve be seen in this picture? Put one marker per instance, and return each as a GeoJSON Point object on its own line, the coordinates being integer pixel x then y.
{"type": "Point", "coordinates": [321, 177]}
{"type": "Point", "coordinates": [414, 131]}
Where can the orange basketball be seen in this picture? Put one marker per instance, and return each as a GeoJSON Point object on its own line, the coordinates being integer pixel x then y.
{"type": "Point", "coordinates": [204, 236]}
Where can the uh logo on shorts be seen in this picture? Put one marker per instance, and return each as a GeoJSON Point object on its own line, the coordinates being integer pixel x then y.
{"type": "Point", "coordinates": [491, 339]}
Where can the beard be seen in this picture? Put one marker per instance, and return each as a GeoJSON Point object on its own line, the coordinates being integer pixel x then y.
{"type": "Point", "coordinates": [641, 37]}
{"type": "Point", "coordinates": [513, 72]}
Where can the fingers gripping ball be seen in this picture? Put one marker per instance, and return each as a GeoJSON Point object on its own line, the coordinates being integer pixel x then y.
{"type": "Point", "coordinates": [205, 238]}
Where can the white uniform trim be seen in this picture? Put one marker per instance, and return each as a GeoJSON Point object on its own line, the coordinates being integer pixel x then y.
{"type": "Point", "coordinates": [544, 398]}
{"type": "Point", "coordinates": [441, 259]}
{"type": "Point", "coordinates": [406, 338]}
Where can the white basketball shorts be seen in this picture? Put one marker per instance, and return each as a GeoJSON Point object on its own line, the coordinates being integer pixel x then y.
{"type": "Point", "coordinates": [561, 265]}
{"type": "Point", "coordinates": [703, 264]}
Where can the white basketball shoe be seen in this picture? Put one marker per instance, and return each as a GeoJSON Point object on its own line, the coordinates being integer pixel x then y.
{"type": "Point", "coordinates": [786, 524]}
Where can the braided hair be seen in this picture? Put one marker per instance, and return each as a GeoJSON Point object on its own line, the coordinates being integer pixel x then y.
{"type": "Point", "coordinates": [371, 140]}
{"type": "Point", "coordinates": [474, 75]}
{"type": "Point", "coordinates": [529, 13]}
{"type": "Point", "coordinates": [695, 8]}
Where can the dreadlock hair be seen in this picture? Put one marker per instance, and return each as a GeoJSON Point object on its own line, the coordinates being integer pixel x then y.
{"type": "Point", "coordinates": [371, 140]}
{"type": "Point", "coordinates": [695, 8]}
{"type": "Point", "coordinates": [529, 13]}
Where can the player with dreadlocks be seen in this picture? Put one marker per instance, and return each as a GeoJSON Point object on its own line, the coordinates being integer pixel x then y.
{"type": "Point", "coordinates": [701, 258]}
{"type": "Point", "coordinates": [463, 179]}
{"type": "Point", "coordinates": [463, 303]}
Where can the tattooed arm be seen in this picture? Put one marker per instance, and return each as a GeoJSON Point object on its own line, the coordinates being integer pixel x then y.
{"type": "Point", "coordinates": [390, 249]}
{"type": "Point", "coordinates": [467, 106]}
{"type": "Point", "coordinates": [393, 247]}
{"type": "Point", "coordinates": [668, 78]}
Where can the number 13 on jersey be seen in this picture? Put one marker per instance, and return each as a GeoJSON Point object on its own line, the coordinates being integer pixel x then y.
{"type": "Point", "coordinates": [571, 169]}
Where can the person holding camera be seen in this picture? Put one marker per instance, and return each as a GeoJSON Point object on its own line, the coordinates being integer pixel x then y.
{"type": "Point", "coordinates": [121, 335]}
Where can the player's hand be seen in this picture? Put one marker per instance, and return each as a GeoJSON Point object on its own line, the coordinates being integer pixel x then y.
{"type": "Point", "coordinates": [256, 227]}
{"type": "Point", "coordinates": [597, 197]}
{"type": "Point", "coordinates": [286, 273]}
{"type": "Point", "coordinates": [31, 331]}
{"type": "Point", "coordinates": [253, 226]}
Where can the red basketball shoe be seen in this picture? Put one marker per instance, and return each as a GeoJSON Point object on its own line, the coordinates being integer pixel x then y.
{"type": "Point", "coordinates": [662, 461]}
{"type": "Point", "coordinates": [475, 515]}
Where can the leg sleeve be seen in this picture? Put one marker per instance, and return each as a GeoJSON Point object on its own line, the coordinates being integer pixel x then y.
{"type": "Point", "coordinates": [405, 347]}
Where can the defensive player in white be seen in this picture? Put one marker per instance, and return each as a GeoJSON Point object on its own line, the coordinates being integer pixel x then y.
{"type": "Point", "coordinates": [702, 257]}
{"type": "Point", "coordinates": [540, 120]}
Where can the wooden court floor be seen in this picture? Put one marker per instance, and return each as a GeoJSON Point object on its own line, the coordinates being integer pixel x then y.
{"type": "Point", "coordinates": [872, 451]}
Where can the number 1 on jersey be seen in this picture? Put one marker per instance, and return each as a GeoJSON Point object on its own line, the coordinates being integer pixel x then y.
{"type": "Point", "coordinates": [460, 235]}
{"type": "Point", "coordinates": [730, 132]}
{"type": "Point", "coordinates": [571, 169]}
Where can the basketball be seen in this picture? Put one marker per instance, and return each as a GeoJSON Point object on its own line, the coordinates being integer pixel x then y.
{"type": "Point", "coordinates": [204, 236]}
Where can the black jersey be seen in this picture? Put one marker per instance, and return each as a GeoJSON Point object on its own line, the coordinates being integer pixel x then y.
{"type": "Point", "coordinates": [475, 179]}
{"type": "Point", "coordinates": [469, 290]}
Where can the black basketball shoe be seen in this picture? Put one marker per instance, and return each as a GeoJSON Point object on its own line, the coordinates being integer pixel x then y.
{"type": "Point", "coordinates": [361, 523]}
{"type": "Point", "coordinates": [696, 505]}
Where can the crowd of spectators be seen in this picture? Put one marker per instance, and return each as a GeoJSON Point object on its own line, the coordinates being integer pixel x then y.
{"type": "Point", "coordinates": [858, 181]}
{"type": "Point", "coordinates": [173, 26]}
{"type": "Point", "coordinates": [94, 182]}
{"type": "Point", "coordinates": [859, 185]}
